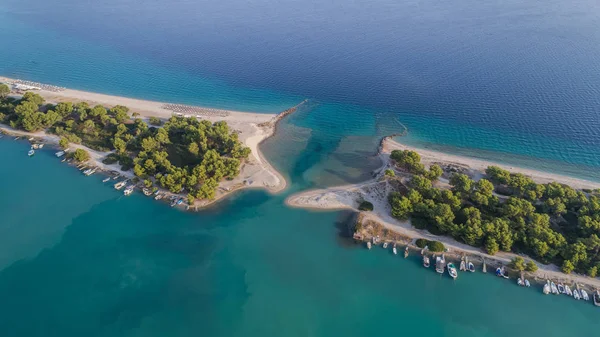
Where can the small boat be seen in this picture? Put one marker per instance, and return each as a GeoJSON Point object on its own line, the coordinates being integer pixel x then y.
{"type": "Point", "coordinates": [180, 201]}
{"type": "Point", "coordinates": [452, 270]}
{"type": "Point", "coordinates": [59, 154]}
{"type": "Point", "coordinates": [484, 269]}
{"type": "Point", "coordinates": [527, 284]}
{"type": "Point", "coordinates": [147, 191]}
{"type": "Point", "coordinates": [368, 242]}
{"type": "Point", "coordinates": [129, 190]}
{"type": "Point", "coordinates": [576, 294]}
{"type": "Point", "coordinates": [426, 261]}
{"type": "Point", "coordinates": [385, 245]}
{"type": "Point", "coordinates": [546, 289]}
{"type": "Point", "coordinates": [568, 290]}
{"type": "Point", "coordinates": [471, 267]}
{"type": "Point", "coordinates": [30, 153]}
{"type": "Point", "coordinates": [394, 250]}
{"type": "Point", "coordinates": [406, 252]}
{"type": "Point", "coordinates": [120, 184]}
{"type": "Point", "coordinates": [105, 179]}
{"type": "Point", "coordinates": [520, 282]}
{"type": "Point", "coordinates": [89, 172]}
{"type": "Point", "coordinates": [596, 298]}
{"type": "Point", "coordinates": [463, 265]}
{"type": "Point", "coordinates": [553, 288]}
{"type": "Point", "coordinates": [40, 145]}
{"type": "Point", "coordinates": [501, 272]}
{"type": "Point", "coordinates": [584, 295]}
{"type": "Point", "coordinates": [440, 264]}
{"type": "Point", "coordinates": [35, 146]}
{"type": "Point", "coordinates": [561, 288]}
{"type": "Point", "coordinates": [158, 196]}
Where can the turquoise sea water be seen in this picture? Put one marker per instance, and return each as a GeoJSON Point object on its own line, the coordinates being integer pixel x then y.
{"type": "Point", "coordinates": [507, 80]}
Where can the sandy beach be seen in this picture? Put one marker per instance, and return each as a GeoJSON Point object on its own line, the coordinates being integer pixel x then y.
{"type": "Point", "coordinates": [253, 128]}
{"type": "Point", "coordinates": [376, 191]}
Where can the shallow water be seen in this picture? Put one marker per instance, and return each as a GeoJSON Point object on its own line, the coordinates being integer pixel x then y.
{"type": "Point", "coordinates": [507, 80]}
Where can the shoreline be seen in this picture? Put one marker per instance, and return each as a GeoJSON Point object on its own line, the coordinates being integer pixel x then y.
{"type": "Point", "coordinates": [253, 129]}
{"type": "Point", "coordinates": [375, 191]}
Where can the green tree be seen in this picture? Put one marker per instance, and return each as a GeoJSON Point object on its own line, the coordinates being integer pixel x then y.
{"type": "Point", "coordinates": [461, 183]}
{"type": "Point", "coordinates": [518, 263]}
{"type": "Point", "coordinates": [120, 145]}
{"type": "Point", "coordinates": [4, 91]}
{"type": "Point", "coordinates": [365, 206]}
{"type": "Point", "coordinates": [81, 155]}
{"type": "Point", "coordinates": [434, 173]}
{"type": "Point", "coordinates": [498, 175]}
{"type": "Point", "coordinates": [64, 109]}
{"type": "Point", "coordinates": [33, 98]}
{"type": "Point", "coordinates": [155, 121]}
{"type": "Point", "coordinates": [409, 160]}
{"type": "Point", "coordinates": [139, 171]}
{"type": "Point", "coordinates": [592, 271]}
{"type": "Point", "coordinates": [401, 206]}
{"type": "Point", "coordinates": [389, 173]}
{"type": "Point", "coordinates": [567, 267]}
{"type": "Point", "coordinates": [491, 246]}
{"type": "Point", "coordinates": [531, 267]}
{"type": "Point", "coordinates": [63, 143]}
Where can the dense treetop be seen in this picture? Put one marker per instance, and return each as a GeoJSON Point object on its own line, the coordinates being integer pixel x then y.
{"type": "Point", "coordinates": [505, 211]}
{"type": "Point", "coordinates": [183, 155]}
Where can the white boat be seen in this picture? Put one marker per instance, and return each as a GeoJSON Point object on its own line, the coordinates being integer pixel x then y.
{"type": "Point", "coordinates": [546, 289]}
{"type": "Point", "coordinates": [527, 284]}
{"type": "Point", "coordinates": [30, 153]}
{"type": "Point", "coordinates": [368, 242]}
{"type": "Point", "coordinates": [147, 192]}
{"type": "Point", "coordinates": [105, 179]}
{"type": "Point", "coordinates": [576, 294]}
{"type": "Point", "coordinates": [426, 261]}
{"type": "Point", "coordinates": [158, 196]}
{"type": "Point", "coordinates": [41, 145]}
{"type": "Point", "coordinates": [553, 288]}
{"type": "Point", "coordinates": [394, 250]}
{"type": "Point", "coordinates": [452, 270]}
{"type": "Point", "coordinates": [568, 290]}
{"type": "Point", "coordinates": [406, 252]}
{"type": "Point", "coordinates": [120, 185]}
{"type": "Point", "coordinates": [59, 154]}
{"type": "Point", "coordinates": [561, 288]}
{"type": "Point", "coordinates": [520, 282]}
{"type": "Point", "coordinates": [128, 190]}
{"type": "Point", "coordinates": [584, 295]}
{"type": "Point", "coordinates": [463, 265]}
{"type": "Point", "coordinates": [385, 245]}
{"type": "Point", "coordinates": [501, 272]}
{"type": "Point", "coordinates": [596, 298]}
{"type": "Point", "coordinates": [471, 267]}
{"type": "Point", "coordinates": [440, 264]}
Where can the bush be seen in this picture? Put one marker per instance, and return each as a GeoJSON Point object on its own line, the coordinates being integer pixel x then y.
{"type": "Point", "coordinates": [436, 246]}
{"type": "Point", "coordinates": [365, 206]}
{"type": "Point", "coordinates": [421, 243]}
{"type": "Point", "coordinates": [531, 267]}
{"type": "Point", "coordinates": [63, 143]}
{"type": "Point", "coordinates": [389, 173]}
{"type": "Point", "coordinates": [81, 155]}
{"type": "Point", "coordinates": [155, 121]}
{"type": "Point", "coordinates": [111, 159]}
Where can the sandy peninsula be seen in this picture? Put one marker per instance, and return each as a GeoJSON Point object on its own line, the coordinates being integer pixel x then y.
{"type": "Point", "coordinates": [253, 128]}
{"type": "Point", "coordinates": [376, 191]}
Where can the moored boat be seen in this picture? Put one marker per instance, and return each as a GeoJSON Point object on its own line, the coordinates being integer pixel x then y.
{"type": "Point", "coordinates": [471, 267]}
{"type": "Point", "coordinates": [596, 298]}
{"type": "Point", "coordinates": [520, 282]}
{"type": "Point", "coordinates": [30, 153]}
{"type": "Point", "coordinates": [561, 288]}
{"type": "Point", "coordinates": [158, 196]}
{"type": "Point", "coordinates": [553, 288]}
{"type": "Point", "coordinates": [452, 270]}
{"type": "Point", "coordinates": [440, 264]}
{"type": "Point", "coordinates": [59, 154]}
{"type": "Point", "coordinates": [546, 289]}
{"type": "Point", "coordinates": [584, 295]}
{"type": "Point", "coordinates": [406, 252]}
{"type": "Point", "coordinates": [426, 261]}
{"type": "Point", "coordinates": [147, 192]}
{"type": "Point", "coordinates": [527, 284]}
{"type": "Point", "coordinates": [120, 184]}
{"type": "Point", "coordinates": [129, 190]}
{"type": "Point", "coordinates": [501, 272]}
{"type": "Point", "coordinates": [576, 294]}
{"type": "Point", "coordinates": [105, 179]}
{"type": "Point", "coordinates": [368, 242]}
{"type": "Point", "coordinates": [463, 265]}
{"type": "Point", "coordinates": [394, 249]}
{"type": "Point", "coordinates": [385, 245]}
{"type": "Point", "coordinates": [568, 290]}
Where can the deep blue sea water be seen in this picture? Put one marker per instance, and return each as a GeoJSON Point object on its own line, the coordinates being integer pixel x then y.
{"type": "Point", "coordinates": [514, 81]}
